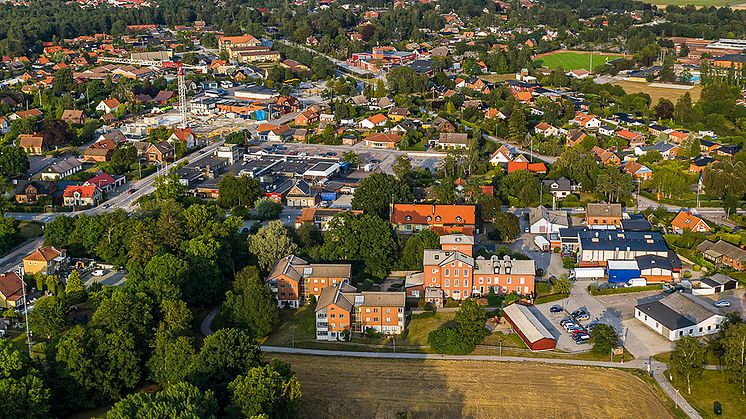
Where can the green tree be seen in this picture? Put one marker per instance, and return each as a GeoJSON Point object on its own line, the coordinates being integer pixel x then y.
{"type": "Point", "coordinates": [267, 209]}
{"type": "Point", "coordinates": [262, 391]}
{"type": "Point", "coordinates": [614, 184]}
{"type": "Point", "coordinates": [271, 243]}
{"type": "Point", "coordinates": [471, 318]}
{"type": "Point", "coordinates": [448, 340]}
{"type": "Point", "coordinates": [24, 394]}
{"type": "Point", "coordinates": [127, 311]}
{"type": "Point", "coordinates": [74, 289]}
{"type": "Point", "coordinates": [688, 359]}
{"type": "Point", "coordinates": [605, 339]}
{"type": "Point", "coordinates": [101, 364]}
{"type": "Point", "coordinates": [664, 109]}
{"type": "Point", "coordinates": [507, 226]}
{"type": "Point", "coordinates": [734, 344]}
{"type": "Point", "coordinates": [48, 317]}
{"type": "Point", "coordinates": [562, 285]}
{"type": "Point", "coordinates": [238, 190]}
{"type": "Point", "coordinates": [171, 359]}
{"type": "Point", "coordinates": [364, 238]}
{"type": "Point", "coordinates": [182, 400]}
{"type": "Point", "coordinates": [414, 248]}
{"type": "Point", "coordinates": [13, 161]}
{"type": "Point", "coordinates": [402, 167]}
{"type": "Point", "coordinates": [351, 157]}
{"type": "Point", "coordinates": [377, 192]}
{"type": "Point", "coordinates": [251, 303]}
{"type": "Point", "coordinates": [224, 355]}
{"type": "Point", "coordinates": [517, 125]}
{"type": "Point", "coordinates": [168, 186]}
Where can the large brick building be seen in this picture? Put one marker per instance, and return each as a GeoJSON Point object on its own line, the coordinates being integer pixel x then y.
{"type": "Point", "coordinates": [411, 218]}
{"type": "Point", "coordinates": [453, 272]}
{"type": "Point", "coordinates": [293, 280]}
{"type": "Point", "coordinates": [342, 308]}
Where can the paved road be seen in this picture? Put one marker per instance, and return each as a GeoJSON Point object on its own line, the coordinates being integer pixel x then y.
{"type": "Point", "coordinates": [205, 326]}
{"type": "Point", "coordinates": [15, 257]}
{"type": "Point", "coordinates": [546, 159]}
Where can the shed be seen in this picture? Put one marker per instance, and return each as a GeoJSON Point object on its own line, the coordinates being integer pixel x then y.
{"type": "Point", "coordinates": [714, 284]}
{"type": "Point", "coordinates": [621, 271]}
{"type": "Point", "coordinates": [529, 327]}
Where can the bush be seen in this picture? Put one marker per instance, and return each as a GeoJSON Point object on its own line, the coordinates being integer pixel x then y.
{"type": "Point", "coordinates": [425, 305]}
{"type": "Point", "coordinates": [450, 342]}
{"type": "Point", "coordinates": [543, 288]}
{"type": "Point", "coordinates": [450, 303]}
{"type": "Point", "coordinates": [372, 333]}
{"type": "Point", "coordinates": [568, 262]}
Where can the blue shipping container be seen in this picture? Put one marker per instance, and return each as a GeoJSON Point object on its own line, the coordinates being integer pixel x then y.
{"type": "Point", "coordinates": [328, 196]}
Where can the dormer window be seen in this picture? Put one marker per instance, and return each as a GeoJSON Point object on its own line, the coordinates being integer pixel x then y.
{"type": "Point", "coordinates": [428, 218]}
{"type": "Point", "coordinates": [437, 218]}
{"type": "Point", "coordinates": [408, 218]}
{"type": "Point", "coordinates": [458, 218]}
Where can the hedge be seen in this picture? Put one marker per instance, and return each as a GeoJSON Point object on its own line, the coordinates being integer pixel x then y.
{"type": "Point", "coordinates": [611, 291]}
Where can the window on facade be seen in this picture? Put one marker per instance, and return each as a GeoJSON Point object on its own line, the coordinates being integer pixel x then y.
{"type": "Point", "coordinates": [367, 310]}
{"type": "Point", "coordinates": [455, 272]}
{"type": "Point", "coordinates": [508, 281]}
{"type": "Point", "coordinates": [375, 319]}
{"type": "Point", "coordinates": [447, 272]}
{"type": "Point", "coordinates": [700, 329]}
{"type": "Point", "coordinates": [448, 283]}
{"type": "Point", "coordinates": [433, 280]}
{"type": "Point", "coordinates": [435, 270]}
{"type": "Point", "coordinates": [466, 282]}
{"type": "Point", "coordinates": [388, 311]}
{"type": "Point", "coordinates": [388, 319]}
{"type": "Point", "coordinates": [481, 280]}
{"type": "Point", "coordinates": [341, 316]}
{"type": "Point", "coordinates": [522, 281]}
{"type": "Point", "coordinates": [455, 282]}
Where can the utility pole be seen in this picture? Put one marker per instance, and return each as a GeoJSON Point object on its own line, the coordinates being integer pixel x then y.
{"type": "Point", "coordinates": [25, 312]}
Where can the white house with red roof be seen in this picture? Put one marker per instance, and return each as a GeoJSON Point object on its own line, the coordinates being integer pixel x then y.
{"type": "Point", "coordinates": [106, 182]}
{"type": "Point", "coordinates": [82, 195]}
{"type": "Point", "coordinates": [108, 105]}
{"type": "Point", "coordinates": [185, 136]}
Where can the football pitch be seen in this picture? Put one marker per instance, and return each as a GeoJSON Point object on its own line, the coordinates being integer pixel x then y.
{"type": "Point", "coordinates": [571, 60]}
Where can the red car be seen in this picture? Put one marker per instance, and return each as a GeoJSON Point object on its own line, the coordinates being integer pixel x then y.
{"type": "Point", "coordinates": [131, 191]}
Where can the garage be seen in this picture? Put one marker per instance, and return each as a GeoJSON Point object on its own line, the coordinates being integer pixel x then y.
{"type": "Point", "coordinates": [621, 271]}
{"type": "Point", "coordinates": [528, 326]}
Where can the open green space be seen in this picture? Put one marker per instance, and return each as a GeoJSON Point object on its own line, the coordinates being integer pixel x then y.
{"type": "Point", "coordinates": [711, 387]}
{"type": "Point", "coordinates": [419, 328]}
{"type": "Point", "coordinates": [295, 326]}
{"type": "Point", "coordinates": [573, 60]}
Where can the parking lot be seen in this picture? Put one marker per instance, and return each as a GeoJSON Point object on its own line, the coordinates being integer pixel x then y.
{"type": "Point", "coordinates": [110, 277]}
{"type": "Point", "coordinates": [736, 297]}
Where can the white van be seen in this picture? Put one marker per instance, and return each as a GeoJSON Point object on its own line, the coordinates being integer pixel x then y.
{"type": "Point", "coordinates": [637, 282]}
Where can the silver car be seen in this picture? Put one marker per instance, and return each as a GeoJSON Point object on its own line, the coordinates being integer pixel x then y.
{"type": "Point", "coordinates": [722, 303]}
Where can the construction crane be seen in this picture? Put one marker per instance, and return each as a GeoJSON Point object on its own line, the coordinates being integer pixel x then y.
{"type": "Point", "coordinates": [178, 65]}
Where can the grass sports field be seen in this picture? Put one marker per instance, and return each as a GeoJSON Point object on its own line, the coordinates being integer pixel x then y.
{"type": "Point", "coordinates": [572, 60]}
{"type": "Point", "coordinates": [339, 387]}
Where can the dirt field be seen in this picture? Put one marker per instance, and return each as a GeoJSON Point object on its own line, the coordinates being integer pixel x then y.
{"type": "Point", "coordinates": [658, 92]}
{"type": "Point", "coordinates": [371, 388]}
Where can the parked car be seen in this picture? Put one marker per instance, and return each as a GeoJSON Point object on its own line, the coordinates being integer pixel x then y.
{"type": "Point", "coordinates": [98, 272]}
{"type": "Point", "coordinates": [583, 317]}
{"type": "Point", "coordinates": [580, 312]}
{"type": "Point", "coordinates": [556, 309]}
{"type": "Point", "coordinates": [722, 303]}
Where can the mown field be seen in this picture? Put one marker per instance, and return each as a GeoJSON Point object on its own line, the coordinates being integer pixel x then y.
{"type": "Point", "coordinates": [658, 92]}
{"type": "Point", "coordinates": [571, 60]}
{"type": "Point", "coordinates": [366, 388]}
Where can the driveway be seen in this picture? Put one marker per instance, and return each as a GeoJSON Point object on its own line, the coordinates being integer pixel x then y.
{"type": "Point", "coordinates": [110, 278]}
{"type": "Point", "coordinates": [639, 339]}
{"type": "Point", "coordinates": [737, 298]}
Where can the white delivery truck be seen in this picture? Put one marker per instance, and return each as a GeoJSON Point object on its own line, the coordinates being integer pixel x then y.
{"type": "Point", "coordinates": [637, 282]}
{"type": "Point", "coordinates": [542, 243]}
{"type": "Point", "coordinates": [595, 272]}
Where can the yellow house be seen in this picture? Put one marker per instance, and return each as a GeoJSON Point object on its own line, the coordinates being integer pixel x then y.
{"type": "Point", "coordinates": [397, 114]}
{"type": "Point", "coordinates": [46, 260]}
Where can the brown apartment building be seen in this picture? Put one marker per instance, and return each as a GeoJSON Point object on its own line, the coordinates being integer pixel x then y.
{"type": "Point", "coordinates": [294, 281]}
{"type": "Point", "coordinates": [342, 308]}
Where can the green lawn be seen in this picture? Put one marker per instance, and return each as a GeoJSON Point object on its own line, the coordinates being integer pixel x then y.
{"type": "Point", "coordinates": [418, 329]}
{"type": "Point", "coordinates": [713, 386]}
{"type": "Point", "coordinates": [298, 325]}
{"type": "Point", "coordinates": [573, 60]}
